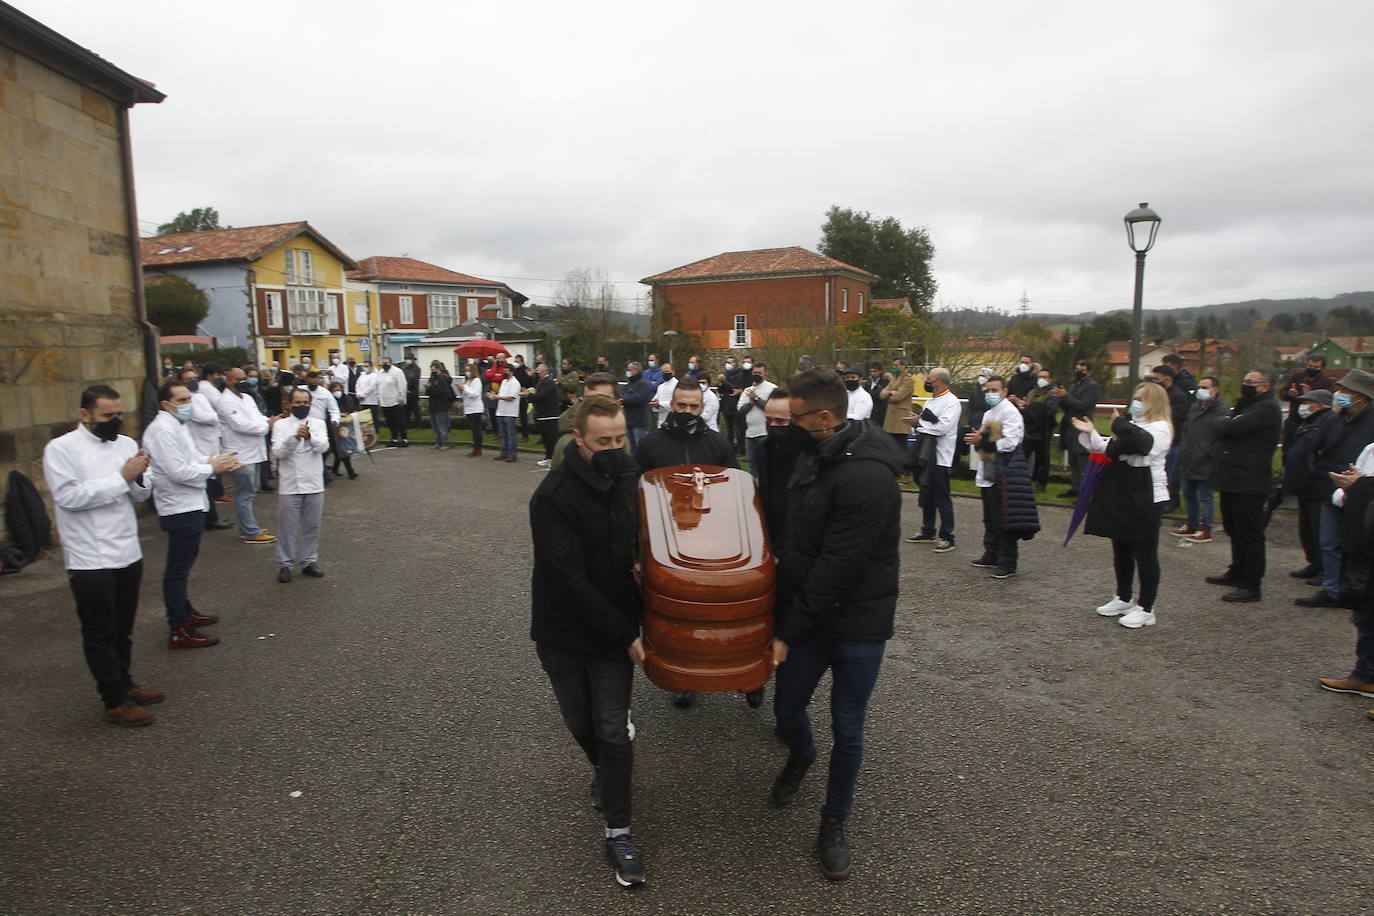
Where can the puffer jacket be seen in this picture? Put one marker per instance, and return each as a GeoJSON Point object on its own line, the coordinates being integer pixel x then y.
{"type": "Point", "coordinates": [1019, 513]}
{"type": "Point", "coordinates": [843, 529]}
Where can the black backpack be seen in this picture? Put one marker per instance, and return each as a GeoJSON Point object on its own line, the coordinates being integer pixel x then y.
{"type": "Point", "coordinates": [27, 518]}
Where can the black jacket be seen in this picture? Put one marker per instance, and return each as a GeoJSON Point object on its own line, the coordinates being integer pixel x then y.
{"type": "Point", "coordinates": [1179, 402]}
{"type": "Point", "coordinates": [1184, 379]}
{"type": "Point", "coordinates": [635, 398]}
{"type": "Point", "coordinates": [1245, 447]}
{"type": "Point", "coordinates": [586, 530]}
{"type": "Point", "coordinates": [1342, 444]}
{"type": "Point", "coordinates": [668, 446]}
{"type": "Point", "coordinates": [1020, 384]}
{"type": "Point", "coordinates": [1198, 449]}
{"type": "Point", "coordinates": [1300, 474]}
{"type": "Point", "coordinates": [1357, 545]}
{"type": "Point", "coordinates": [874, 387]}
{"type": "Point", "coordinates": [440, 391]}
{"type": "Point", "coordinates": [547, 399]}
{"type": "Point", "coordinates": [1079, 400]}
{"type": "Point", "coordinates": [839, 568]}
{"type": "Point", "coordinates": [1124, 498]}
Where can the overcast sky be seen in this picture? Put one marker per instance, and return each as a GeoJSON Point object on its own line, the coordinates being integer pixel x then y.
{"type": "Point", "coordinates": [520, 140]}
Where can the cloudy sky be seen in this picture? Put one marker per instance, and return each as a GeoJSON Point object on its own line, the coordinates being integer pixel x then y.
{"type": "Point", "coordinates": [521, 140]}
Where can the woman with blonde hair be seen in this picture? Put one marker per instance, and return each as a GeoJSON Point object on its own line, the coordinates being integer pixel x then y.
{"type": "Point", "coordinates": [1130, 498]}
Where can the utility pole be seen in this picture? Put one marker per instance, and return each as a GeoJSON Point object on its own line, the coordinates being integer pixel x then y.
{"type": "Point", "coordinates": [1025, 303]}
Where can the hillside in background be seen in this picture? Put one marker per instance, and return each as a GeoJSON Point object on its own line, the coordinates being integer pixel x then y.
{"type": "Point", "coordinates": [1257, 308]}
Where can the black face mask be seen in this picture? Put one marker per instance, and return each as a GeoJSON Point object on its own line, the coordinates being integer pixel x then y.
{"type": "Point", "coordinates": [386, 366]}
{"type": "Point", "coordinates": [788, 437]}
{"type": "Point", "coordinates": [192, 385]}
{"type": "Point", "coordinates": [852, 384]}
{"type": "Point", "coordinates": [300, 411]}
{"type": "Point", "coordinates": [312, 385]}
{"type": "Point", "coordinates": [1080, 375]}
{"type": "Point", "coordinates": [244, 387]}
{"type": "Point", "coordinates": [107, 430]}
{"type": "Point", "coordinates": [1248, 391]}
{"type": "Point", "coordinates": [667, 376]}
{"type": "Point", "coordinates": [928, 388]}
{"type": "Point", "coordinates": [1313, 372]}
{"type": "Point", "coordinates": [686, 422]}
{"type": "Point", "coordinates": [758, 379]}
{"type": "Point", "coordinates": [606, 462]}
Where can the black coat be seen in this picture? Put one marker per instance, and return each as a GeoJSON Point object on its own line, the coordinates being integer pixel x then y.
{"type": "Point", "coordinates": [1079, 400]}
{"type": "Point", "coordinates": [1342, 444]}
{"type": "Point", "coordinates": [586, 529]}
{"type": "Point", "coordinates": [636, 397]}
{"type": "Point", "coordinates": [1184, 379]}
{"type": "Point", "coordinates": [839, 569]}
{"type": "Point", "coordinates": [874, 387]}
{"type": "Point", "coordinates": [776, 464]}
{"type": "Point", "coordinates": [1179, 402]}
{"type": "Point", "coordinates": [1245, 448]}
{"type": "Point", "coordinates": [1357, 545]}
{"type": "Point", "coordinates": [1300, 474]}
{"type": "Point", "coordinates": [1198, 450]}
{"type": "Point", "coordinates": [547, 399]}
{"type": "Point", "coordinates": [1125, 495]}
{"type": "Point", "coordinates": [667, 447]}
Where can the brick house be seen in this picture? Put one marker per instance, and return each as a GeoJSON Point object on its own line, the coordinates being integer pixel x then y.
{"type": "Point", "coordinates": [416, 299]}
{"type": "Point", "coordinates": [744, 299]}
{"type": "Point", "coordinates": [72, 310]}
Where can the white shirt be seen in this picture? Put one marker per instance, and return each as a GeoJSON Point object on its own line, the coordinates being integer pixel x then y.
{"type": "Point", "coordinates": [664, 396]}
{"type": "Point", "coordinates": [298, 460]}
{"type": "Point", "coordinates": [95, 509]}
{"type": "Point", "coordinates": [210, 392]}
{"type": "Point", "coordinates": [367, 389]}
{"type": "Point", "coordinates": [1163, 433]}
{"type": "Point", "coordinates": [1013, 429]}
{"type": "Point", "coordinates": [391, 387]}
{"type": "Point", "coordinates": [204, 422]}
{"type": "Point", "coordinates": [179, 467]}
{"type": "Point", "coordinates": [323, 405]}
{"type": "Point", "coordinates": [1365, 465]}
{"type": "Point", "coordinates": [947, 410]}
{"type": "Point", "coordinates": [339, 373]}
{"type": "Point", "coordinates": [755, 423]}
{"type": "Point", "coordinates": [710, 408]}
{"type": "Point", "coordinates": [473, 401]}
{"type": "Point", "coordinates": [860, 405]}
{"type": "Point", "coordinates": [242, 427]}
{"type": "Point", "coordinates": [509, 388]}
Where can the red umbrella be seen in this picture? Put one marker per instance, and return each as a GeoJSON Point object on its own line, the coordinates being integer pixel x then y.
{"type": "Point", "coordinates": [480, 347]}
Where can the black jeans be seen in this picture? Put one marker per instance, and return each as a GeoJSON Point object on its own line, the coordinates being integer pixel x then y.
{"type": "Point", "coordinates": [106, 602]}
{"type": "Point", "coordinates": [593, 693]}
{"type": "Point", "coordinates": [183, 546]}
{"type": "Point", "coordinates": [1242, 518]}
{"type": "Point", "coordinates": [396, 422]}
{"type": "Point", "coordinates": [1130, 557]}
{"type": "Point", "coordinates": [1078, 461]}
{"type": "Point", "coordinates": [733, 426]}
{"type": "Point", "coordinates": [474, 422]}
{"type": "Point", "coordinates": [548, 434]}
{"type": "Point", "coordinates": [998, 546]}
{"type": "Point", "coordinates": [213, 489]}
{"type": "Point", "coordinates": [1309, 530]}
{"type": "Point", "coordinates": [1038, 451]}
{"type": "Point", "coordinates": [412, 411]}
{"type": "Point", "coordinates": [938, 500]}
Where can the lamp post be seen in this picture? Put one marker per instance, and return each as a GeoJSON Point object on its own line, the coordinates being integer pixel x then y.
{"type": "Point", "coordinates": [1142, 225]}
{"type": "Point", "coordinates": [491, 328]}
{"type": "Point", "coordinates": [671, 335]}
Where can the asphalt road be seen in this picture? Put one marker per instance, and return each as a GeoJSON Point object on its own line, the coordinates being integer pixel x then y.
{"type": "Point", "coordinates": [1024, 754]}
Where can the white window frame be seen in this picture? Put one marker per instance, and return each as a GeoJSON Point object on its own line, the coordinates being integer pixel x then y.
{"type": "Point", "coordinates": [740, 334]}
{"type": "Point", "coordinates": [335, 312]}
{"type": "Point", "coordinates": [844, 299]}
{"type": "Point", "coordinates": [407, 304]}
{"type": "Point", "coordinates": [360, 312]}
{"type": "Point", "coordinates": [439, 305]}
{"type": "Point", "coordinates": [272, 305]}
{"type": "Point", "coordinates": [289, 258]}
{"type": "Point", "coordinates": [307, 309]}
{"type": "Point", "coordinates": [305, 266]}
{"type": "Point", "coordinates": [861, 303]}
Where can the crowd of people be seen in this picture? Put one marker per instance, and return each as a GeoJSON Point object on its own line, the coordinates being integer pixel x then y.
{"type": "Point", "coordinates": [827, 452]}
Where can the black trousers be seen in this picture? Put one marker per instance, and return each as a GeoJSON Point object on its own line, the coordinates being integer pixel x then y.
{"type": "Point", "coordinates": [1242, 518]}
{"type": "Point", "coordinates": [1038, 452]}
{"type": "Point", "coordinates": [593, 693]}
{"type": "Point", "coordinates": [1309, 530]}
{"type": "Point", "coordinates": [1142, 556]}
{"type": "Point", "coordinates": [183, 546]}
{"type": "Point", "coordinates": [998, 546]}
{"type": "Point", "coordinates": [548, 435]}
{"type": "Point", "coordinates": [412, 410]}
{"type": "Point", "coordinates": [733, 426]}
{"type": "Point", "coordinates": [106, 602]}
{"type": "Point", "coordinates": [1078, 461]}
{"type": "Point", "coordinates": [475, 422]}
{"type": "Point", "coordinates": [396, 421]}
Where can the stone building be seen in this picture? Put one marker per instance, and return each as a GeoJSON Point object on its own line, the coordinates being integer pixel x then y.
{"type": "Point", "coordinates": [71, 295]}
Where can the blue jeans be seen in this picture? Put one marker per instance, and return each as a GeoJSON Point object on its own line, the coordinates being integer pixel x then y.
{"type": "Point", "coordinates": [853, 672]}
{"type": "Point", "coordinates": [753, 452]}
{"type": "Point", "coordinates": [1197, 494]}
{"type": "Point", "coordinates": [634, 434]}
{"type": "Point", "coordinates": [183, 545]}
{"type": "Point", "coordinates": [245, 489]}
{"type": "Point", "coordinates": [938, 500]}
{"type": "Point", "coordinates": [508, 444]}
{"type": "Point", "coordinates": [440, 422]}
{"type": "Point", "coordinates": [1331, 548]}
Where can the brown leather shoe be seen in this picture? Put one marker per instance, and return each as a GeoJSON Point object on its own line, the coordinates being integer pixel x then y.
{"type": "Point", "coordinates": [146, 696]}
{"type": "Point", "coordinates": [1347, 685]}
{"type": "Point", "coordinates": [187, 638]}
{"type": "Point", "coordinates": [263, 538]}
{"type": "Point", "coordinates": [129, 714]}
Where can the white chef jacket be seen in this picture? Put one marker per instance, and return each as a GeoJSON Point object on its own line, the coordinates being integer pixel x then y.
{"type": "Point", "coordinates": [298, 461]}
{"type": "Point", "coordinates": [710, 408]}
{"type": "Point", "coordinates": [391, 387]}
{"type": "Point", "coordinates": [339, 373]}
{"type": "Point", "coordinates": [945, 427]}
{"type": "Point", "coordinates": [509, 386]}
{"type": "Point", "coordinates": [755, 423]}
{"type": "Point", "coordinates": [860, 404]}
{"type": "Point", "coordinates": [205, 428]}
{"type": "Point", "coordinates": [179, 468]}
{"type": "Point", "coordinates": [95, 504]}
{"type": "Point", "coordinates": [1013, 430]}
{"type": "Point", "coordinates": [323, 405]}
{"type": "Point", "coordinates": [664, 396]}
{"type": "Point", "coordinates": [242, 427]}
{"type": "Point", "coordinates": [210, 391]}
{"type": "Point", "coordinates": [367, 389]}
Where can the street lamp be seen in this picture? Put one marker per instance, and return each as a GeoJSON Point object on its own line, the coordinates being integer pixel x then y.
{"type": "Point", "coordinates": [1142, 225]}
{"type": "Point", "coordinates": [491, 328]}
{"type": "Point", "coordinates": [671, 335]}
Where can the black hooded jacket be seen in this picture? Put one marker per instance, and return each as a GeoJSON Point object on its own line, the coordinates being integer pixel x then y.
{"type": "Point", "coordinates": [840, 566]}
{"type": "Point", "coordinates": [668, 446]}
{"type": "Point", "coordinates": [586, 531]}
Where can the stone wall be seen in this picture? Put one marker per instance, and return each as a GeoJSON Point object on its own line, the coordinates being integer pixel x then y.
{"type": "Point", "coordinates": [67, 296]}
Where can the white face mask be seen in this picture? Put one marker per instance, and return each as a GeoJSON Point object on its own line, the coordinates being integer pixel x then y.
{"type": "Point", "coordinates": [1042, 383]}
{"type": "Point", "coordinates": [1304, 410]}
{"type": "Point", "coordinates": [1023, 368]}
{"type": "Point", "coordinates": [336, 361]}
{"type": "Point", "coordinates": [1205, 394]}
{"type": "Point", "coordinates": [748, 365]}
{"type": "Point", "coordinates": [982, 379]}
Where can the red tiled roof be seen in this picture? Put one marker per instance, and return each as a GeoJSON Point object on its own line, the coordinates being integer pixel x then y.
{"type": "Point", "coordinates": [894, 304]}
{"type": "Point", "coordinates": [1353, 344]}
{"type": "Point", "coordinates": [1290, 349]}
{"type": "Point", "coordinates": [384, 268]}
{"type": "Point", "coordinates": [758, 262]}
{"type": "Point", "coordinates": [214, 245]}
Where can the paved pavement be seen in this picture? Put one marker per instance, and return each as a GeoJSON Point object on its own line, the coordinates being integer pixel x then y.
{"type": "Point", "coordinates": [1024, 754]}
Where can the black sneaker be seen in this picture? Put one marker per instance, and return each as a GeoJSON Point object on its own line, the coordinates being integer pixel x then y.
{"type": "Point", "coordinates": [833, 849]}
{"type": "Point", "coordinates": [622, 856]}
{"type": "Point", "coordinates": [789, 781]}
{"type": "Point", "coordinates": [595, 790]}
{"type": "Point", "coordinates": [1307, 572]}
{"type": "Point", "coordinates": [1002, 572]}
{"type": "Point", "coordinates": [754, 698]}
{"type": "Point", "coordinates": [684, 698]}
{"type": "Point", "coordinates": [919, 538]}
{"type": "Point", "coordinates": [985, 562]}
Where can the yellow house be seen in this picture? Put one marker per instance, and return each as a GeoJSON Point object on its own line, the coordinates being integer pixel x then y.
{"type": "Point", "coordinates": [278, 291]}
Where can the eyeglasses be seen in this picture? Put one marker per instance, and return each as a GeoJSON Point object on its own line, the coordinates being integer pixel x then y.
{"type": "Point", "coordinates": [797, 416]}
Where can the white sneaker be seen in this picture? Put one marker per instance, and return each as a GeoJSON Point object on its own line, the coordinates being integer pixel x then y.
{"type": "Point", "coordinates": [1115, 606]}
{"type": "Point", "coordinates": [1137, 618]}
{"type": "Point", "coordinates": [543, 462]}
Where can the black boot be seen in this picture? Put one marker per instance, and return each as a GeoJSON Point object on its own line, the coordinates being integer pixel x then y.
{"type": "Point", "coordinates": [833, 849]}
{"type": "Point", "coordinates": [789, 780]}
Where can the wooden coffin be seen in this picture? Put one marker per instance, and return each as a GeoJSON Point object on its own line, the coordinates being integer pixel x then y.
{"type": "Point", "coordinates": [707, 580]}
